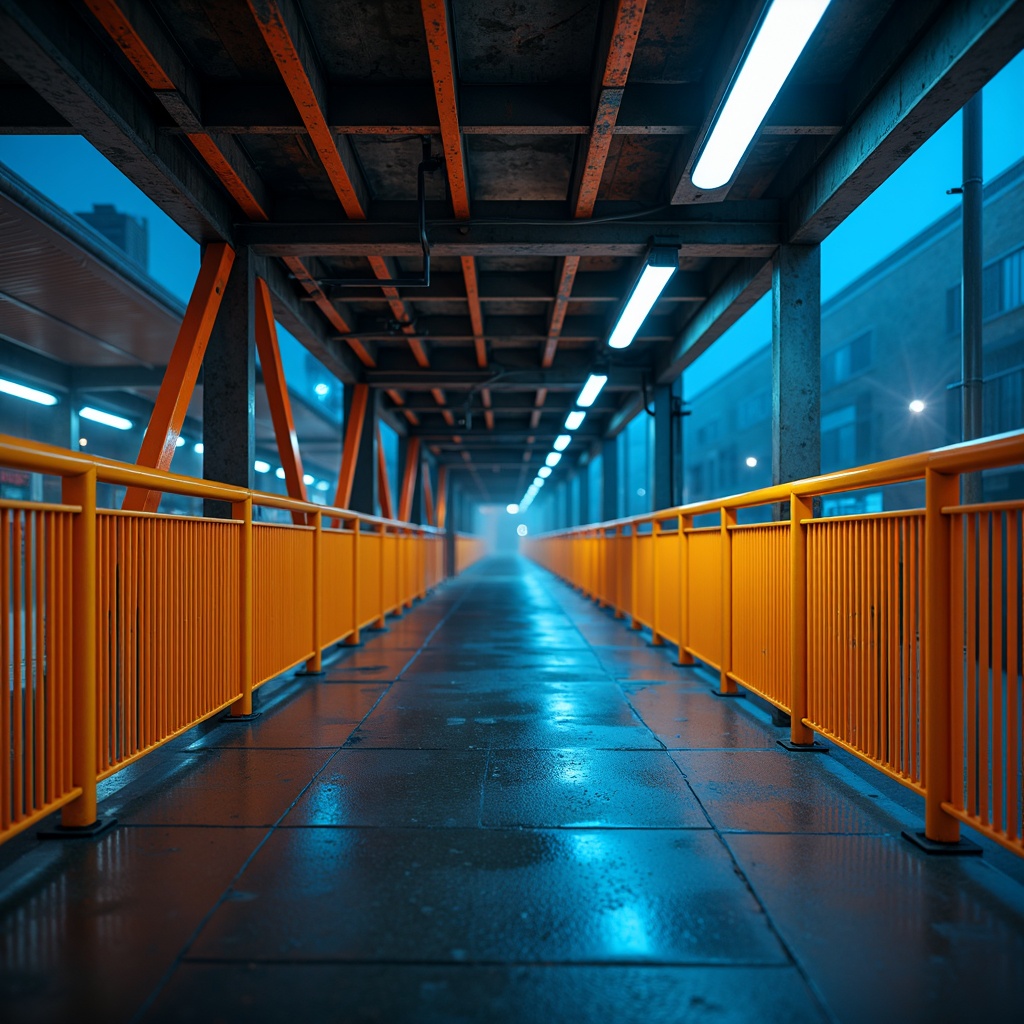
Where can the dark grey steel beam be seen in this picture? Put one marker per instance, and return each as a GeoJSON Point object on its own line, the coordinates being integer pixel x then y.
{"type": "Point", "coordinates": [27, 365]}
{"type": "Point", "coordinates": [525, 379]}
{"type": "Point", "coordinates": [695, 238]}
{"type": "Point", "coordinates": [748, 281]}
{"type": "Point", "coordinates": [24, 112]}
{"type": "Point", "coordinates": [962, 49]}
{"type": "Point", "coordinates": [60, 58]}
{"type": "Point", "coordinates": [115, 378]}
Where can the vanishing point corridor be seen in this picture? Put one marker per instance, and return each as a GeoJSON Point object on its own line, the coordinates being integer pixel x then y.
{"type": "Point", "coordinates": [506, 807]}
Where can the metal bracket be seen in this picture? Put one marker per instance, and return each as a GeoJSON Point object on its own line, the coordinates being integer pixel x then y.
{"type": "Point", "coordinates": [962, 848]}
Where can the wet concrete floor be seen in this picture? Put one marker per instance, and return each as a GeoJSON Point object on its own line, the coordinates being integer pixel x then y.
{"type": "Point", "coordinates": [507, 807]}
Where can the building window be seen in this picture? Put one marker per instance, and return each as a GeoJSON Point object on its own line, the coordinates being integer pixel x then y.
{"type": "Point", "coordinates": [863, 503]}
{"type": "Point", "coordinates": [847, 361]}
{"type": "Point", "coordinates": [753, 410]}
{"type": "Point", "coordinates": [708, 433]}
{"type": "Point", "coordinates": [1002, 289]}
{"type": "Point", "coordinates": [839, 439]}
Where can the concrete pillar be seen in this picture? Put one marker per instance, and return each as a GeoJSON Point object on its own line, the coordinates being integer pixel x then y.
{"type": "Point", "coordinates": [796, 364]}
{"type": "Point", "coordinates": [668, 445]}
{"type": "Point", "coordinates": [610, 479]}
{"type": "Point", "coordinates": [229, 387]}
{"type": "Point", "coordinates": [364, 480]}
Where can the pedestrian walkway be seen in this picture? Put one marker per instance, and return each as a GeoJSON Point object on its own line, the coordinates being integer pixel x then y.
{"type": "Point", "coordinates": [506, 807]}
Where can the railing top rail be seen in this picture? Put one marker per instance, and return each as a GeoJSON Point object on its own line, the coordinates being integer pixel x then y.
{"type": "Point", "coordinates": [965, 457]}
{"type": "Point", "coordinates": [41, 458]}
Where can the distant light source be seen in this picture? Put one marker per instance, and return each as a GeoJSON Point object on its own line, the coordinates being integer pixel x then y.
{"type": "Point", "coordinates": [562, 442]}
{"type": "Point", "coordinates": [662, 263]}
{"type": "Point", "coordinates": [9, 387]}
{"type": "Point", "coordinates": [279, 473]}
{"type": "Point", "coordinates": [779, 41]}
{"type": "Point", "coordinates": [751, 461]}
{"type": "Point", "coordinates": [553, 459]}
{"type": "Point", "coordinates": [308, 479]}
{"type": "Point", "coordinates": [261, 467]}
{"type": "Point", "coordinates": [574, 419]}
{"type": "Point", "coordinates": [322, 390]}
{"type": "Point", "coordinates": [82, 442]}
{"type": "Point", "coordinates": [916, 406]}
{"type": "Point", "coordinates": [322, 485]}
{"type": "Point", "coordinates": [512, 509]}
{"type": "Point", "coordinates": [544, 472]}
{"type": "Point", "coordinates": [199, 448]}
{"type": "Point", "coordinates": [180, 442]}
{"type": "Point", "coordinates": [522, 530]}
{"type": "Point", "coordinates": [591, 389]}
{"type": "Point", "coordinates": [108, 419]}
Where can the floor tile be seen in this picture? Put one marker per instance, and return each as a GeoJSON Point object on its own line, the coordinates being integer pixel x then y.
{"type": "Point", "coordinates": [588, 788]}
{"type": "Point", "coordinates": [491, 895]}
{"type": "Point", "coordinates": [684, 717]}
{"type": "Point", "coordinates": [887, 932]}
{"type": "Point", "coordinates": [425, 788]}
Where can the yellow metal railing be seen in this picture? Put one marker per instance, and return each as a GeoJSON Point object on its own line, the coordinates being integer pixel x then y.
{"type": "Point", "coordinates": [897, 636]}
{"type": "Point", "coordinates": [120, 630]}
{"type": "Point", "coordinates": [468, 549]}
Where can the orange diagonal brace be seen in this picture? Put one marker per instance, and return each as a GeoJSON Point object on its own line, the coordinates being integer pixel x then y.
{"type": "Point", "coordinates": [442, 496]}
{"type": "Point", "coordinates": [387, 508]}
{"type": "Point", "coordinates": [277, 396]}
{"type": "Point", "coordinates": [180, 376]}
{"type": "Point", "coordinates": [428, 495]}
{"type": "Point", "coordinates": [353, 437]}
{"type": "Point", "coordinates": [412, 460]}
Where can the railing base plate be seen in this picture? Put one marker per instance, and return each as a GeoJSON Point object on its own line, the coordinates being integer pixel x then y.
{"type": "Point", "coordinates": [302, 673]}
{"type": "Point", "coordinates": [242, 718]}
{"type": "Point", "coordinates": [97, 828]}
{"type": "Point", "coordinates": [735, 695]}
{"type": "Point", "coordinates": [963, 848]}
{"type": "Point", "coordinates": [804, 748]}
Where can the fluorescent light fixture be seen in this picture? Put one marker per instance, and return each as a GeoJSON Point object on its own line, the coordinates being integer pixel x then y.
{"type": "Point", "coordinates": [574, 419]}
{"type": "Point", "coordinates": [562, 442]}
{"type": "Point", "coordinates": [180, 442]}
{"type": "Point", "coordinates": [199, 448]}
{"type": "Point", "coordinates": [553, 459]}
{"type": "Point", "coordinates": [662, 263]}
{"type": "Point", "coordinates": [778, 42]}
{"type": "Point", "coordinates": [261, 467]}
{"type": "Point", "coordinates": [591, 389]}
{"type": "Point", "coordinates": [543, 473]}
{"type": "Point", "coordinates": [9, 387]}
{"type": "Point", "coordinates": [279, 473]}
{"type": "Point", "coordinates": [108, 419]}
{"type": "Point", "coordinates": [512, 509]}
{"type": "Point", "coordinates": [307, 479]}
{"type": "Point", "coordinates": [916, 406]}
{"type": "Point", "coordinates": [751, 461]}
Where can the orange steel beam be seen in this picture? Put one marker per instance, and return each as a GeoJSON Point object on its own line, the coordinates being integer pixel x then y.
{"type": "Point", "coordinates": [277, 396]}
{"type": "Point", "coordinates": [566, 279]}
{"type": "Point", "coordinates": [442, 496]}
{"type": "Point", "coordinates": [412, 460]}
{"type": "Point", "coordinates": [182, 371]}
{"type": "Point", "coordinates": [428, 494]}
{"type": "Point", "coordinates": [542, 397]}
{"type": "Point", "coordinates": [387, 509]}
{"type": "Point", "coordinates": [485, 396]}
{"type": "Point", "coordinates": [476, 314]}
{"type": "Point", "coordinates": [350, 451]}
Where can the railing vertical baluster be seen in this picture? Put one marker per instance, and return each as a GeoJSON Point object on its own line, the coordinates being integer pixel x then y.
{"type": "Point", "coordinates": [353, 638]}
{"type": "Point", "coordinates": [656, 638]}
{"type": "Point", "coordinates": [684, 656]}
{"type": "Point", "coordinates": [800, 508]}
{"type": "Point", "coordinates": [315, 664]}
{"type": "Point", "coordinates": [728, 519]}
{"type": "Point", "coordinates": [243, 510]}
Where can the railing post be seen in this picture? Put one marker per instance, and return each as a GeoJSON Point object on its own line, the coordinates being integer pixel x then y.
{"type": "Point", "coordinates": [242, 708]}
{"type": "Point", "coordinates": [382, 530]}
{"type": "Point", "coordinates": [940, 491]}
{"type": "Point", "coordinates": [616, 574]}
{"type": "Point", "coordinates": [352, 639]}
{"type": "Point", "coordinates": [315, 664]}
{"type": "Point", "coordinates": [656, 638]}
{"type": "Point", "coordinates": [800, 508]}
{"type": "Point", "coordinates": [726, 686]}
{"type": "Point", "coordinates": [634, 547]}
{"type": "Point", "coordinates": [685, 657]}
{"type": "Point", "coordinates": [80, 490]}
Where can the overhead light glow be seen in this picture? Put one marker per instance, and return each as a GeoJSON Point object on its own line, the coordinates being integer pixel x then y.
{"type": "Point", "coordinates": [751, 461]}
{"type": "Point", "coordinates": [322, 390]}
{"type": "Point", "coordinates": [180, 442]}
{"type": "Point", "coordinates": [544, 472]}
{"type": "Point", "coordinates": [553, 459]}
{"type": "Point", "coordinates": [82, 442]}
{"type": "Point", "coordinates": [108, 419]}
{"type": "Point", "coordinates": [322, 485]}
{"type": "Point", "coordinates": [512, 509]}
{"type": "Point", "coordinates": [591, 389]}
{"type": "Point", "coordinates": [9, 387]}
{"type": "Point", "coordinates": [562, 442]}
{"type": "Point", "coordinates": [521, 530]}
{"type": "Point", "coordinates": [199, 448]}
{"type": "Point", "coordinates": [661, 264]}
{"type": "Point", "coordinates": [279, 473]}
{"type": "Point", "coordinates": [261, 467]}
{"type": "Point", "coordinates": [574, 419]}
{"type": "Point", "coordinates": [307, 479]}
{"type": "Point", "coordinates": [916, 406]}
{"type": "Point", "coordinates": [780, 39]}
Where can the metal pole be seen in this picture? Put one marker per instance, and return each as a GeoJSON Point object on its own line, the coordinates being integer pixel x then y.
{"type": "Point", "coordinates": [971, 287]}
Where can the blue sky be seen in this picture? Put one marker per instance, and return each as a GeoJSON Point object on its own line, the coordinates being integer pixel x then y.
{"type": "Point", "coordinates": [74, 175]}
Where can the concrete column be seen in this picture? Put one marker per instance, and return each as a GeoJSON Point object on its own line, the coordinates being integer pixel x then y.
{"type": "Point", "coordinates": [229, 387]}
{"type": "Point", "coordinates": [364, 480]}
{"type": "Point", "coordinates": [668, 446]}
{"type": "Point", "coordinates": [796, 364]}
{"type": "Point", "coordinates": [610, 479]}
